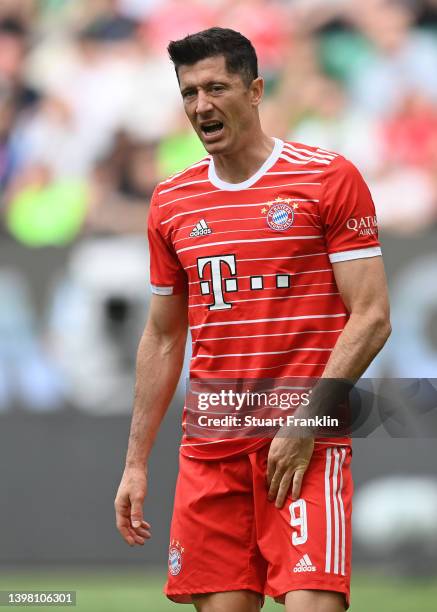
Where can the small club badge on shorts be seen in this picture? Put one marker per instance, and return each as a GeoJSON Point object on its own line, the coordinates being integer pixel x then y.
{"type": "Point", "coordinates": [280, 213]}
{"type": "Point", "coordinates": [175, 558]}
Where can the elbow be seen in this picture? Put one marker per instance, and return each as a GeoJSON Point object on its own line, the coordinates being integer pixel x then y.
{"type": "Point", "coordinates": [171, 344]}
{"type": "Point", "coordinates": [381, 329]}
{"type": "Point", "coordinates": [163, 344]}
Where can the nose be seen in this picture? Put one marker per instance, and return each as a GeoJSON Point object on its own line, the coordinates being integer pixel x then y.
{"type": "Point", "coordinates": [203, 103]}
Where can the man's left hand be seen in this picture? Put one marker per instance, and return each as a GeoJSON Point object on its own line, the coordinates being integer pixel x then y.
{"type": "Point", "coordinates": [287, 463]}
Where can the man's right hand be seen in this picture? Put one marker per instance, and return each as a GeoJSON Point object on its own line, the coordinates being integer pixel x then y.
{"type": "Point", "coordinates": [129, 507]}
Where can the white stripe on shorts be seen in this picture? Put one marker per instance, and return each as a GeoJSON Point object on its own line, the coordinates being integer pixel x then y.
{"type": "Point", "coordinates": [335, 559]}
{"type": "Point", "coordinates": [343, 521]}
{"type": "Point", "coordinates": [328, 510]}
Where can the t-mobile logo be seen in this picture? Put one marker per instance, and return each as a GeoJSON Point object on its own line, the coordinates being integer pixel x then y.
{"type": "Point", "coordinates": [216, 264]}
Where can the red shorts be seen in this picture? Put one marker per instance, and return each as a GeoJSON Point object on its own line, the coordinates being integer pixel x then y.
{"type": "Point", "coordinates": [226, 536]}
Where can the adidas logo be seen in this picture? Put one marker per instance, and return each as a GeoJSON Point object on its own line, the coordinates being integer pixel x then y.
{"type": "Point", "coordinates": [200, 229]}
{"type": "Point", "coordinates": [304, 565]}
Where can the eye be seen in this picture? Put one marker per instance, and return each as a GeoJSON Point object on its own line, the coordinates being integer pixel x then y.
{"type": "Point", "coordinates": [217, 88]}
{"type": "Point", "coordinates": [188, 94]}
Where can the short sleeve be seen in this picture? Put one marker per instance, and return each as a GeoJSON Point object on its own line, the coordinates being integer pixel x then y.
{"type": "Point", "coordinates": [167, 276]}
{"type": "Point", "coordinates": [348, 213]}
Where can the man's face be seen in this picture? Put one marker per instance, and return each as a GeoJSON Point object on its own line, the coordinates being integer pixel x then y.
{"type": "Point", "coordinates": [219, 105]}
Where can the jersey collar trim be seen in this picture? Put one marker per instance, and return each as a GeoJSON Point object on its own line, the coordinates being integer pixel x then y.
{"type": "Point", "coordinates": [270, 161]}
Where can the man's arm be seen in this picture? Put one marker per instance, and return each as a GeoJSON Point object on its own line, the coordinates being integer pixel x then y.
{"type": "Point", "coordinates": [159, 363]}
{"type": "Point", "coordinates": [363, 288]}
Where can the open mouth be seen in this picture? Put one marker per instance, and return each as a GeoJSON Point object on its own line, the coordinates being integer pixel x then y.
{"type": "Point", "coordinates": [212, 129]}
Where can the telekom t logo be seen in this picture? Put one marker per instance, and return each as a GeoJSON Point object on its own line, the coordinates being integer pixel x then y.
{"type": "Point", "coordinates": [216, 264]}
{"type": "Point", "coordinates": [221, 265]}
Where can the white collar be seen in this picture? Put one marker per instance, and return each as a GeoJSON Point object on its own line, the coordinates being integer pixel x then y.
{"type": "Point", "coordinates": [269, 162]}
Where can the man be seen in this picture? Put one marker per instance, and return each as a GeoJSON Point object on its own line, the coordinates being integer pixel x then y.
{"type": "Point", "coordinates": [268, 250]}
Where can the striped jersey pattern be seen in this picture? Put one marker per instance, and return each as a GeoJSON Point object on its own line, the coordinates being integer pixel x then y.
{"type": "Point", "coordinates": [256, 260]}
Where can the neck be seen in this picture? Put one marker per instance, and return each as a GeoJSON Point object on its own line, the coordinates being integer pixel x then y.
{"type": "Point", "coordinates": [242, 163]}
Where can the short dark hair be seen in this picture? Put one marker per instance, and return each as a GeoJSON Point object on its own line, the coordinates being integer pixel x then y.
{"type": "Point", "coordinates": [240, 56]}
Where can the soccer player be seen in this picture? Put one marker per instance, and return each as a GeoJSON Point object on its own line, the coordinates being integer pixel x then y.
{"type": "Point", "coordinates": [268, 251]}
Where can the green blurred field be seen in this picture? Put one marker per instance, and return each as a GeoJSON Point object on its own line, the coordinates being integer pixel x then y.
{"type": "Point", "coordinates": [132, 591]}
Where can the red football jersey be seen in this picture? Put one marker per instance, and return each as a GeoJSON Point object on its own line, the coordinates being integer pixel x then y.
{"type": "Point", "coordinates": [256, 259]}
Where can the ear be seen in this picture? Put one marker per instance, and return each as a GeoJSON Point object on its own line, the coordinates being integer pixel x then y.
{"type": "Point", "coordinates": [256, 90]}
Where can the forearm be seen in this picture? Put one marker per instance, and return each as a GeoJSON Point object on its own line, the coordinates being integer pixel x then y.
{"type": "Point", "coordinates": [159, 363]}
{"type": "Point", "coordinates": [358, 344]}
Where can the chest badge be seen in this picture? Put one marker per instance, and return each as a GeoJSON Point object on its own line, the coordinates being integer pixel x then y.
{"type": "Point", "coordinates": [280, 213]}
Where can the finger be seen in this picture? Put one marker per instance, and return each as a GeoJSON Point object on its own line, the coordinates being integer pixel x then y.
{"type": "Point", "coordinates": [144, 529]}
{"type": "Point", "coordinates": [122, 522]}
{"type": "Point", "coordinates": [284, 487]}
{"type": "Point", "coordinates": [297, 484]}
{"type": "Point", "coordinates": [274, 485]}
{"type": "Point", "coordinates": [136, 513]}
{"type": "Point", "coordinates": [137, 539]}
{"type": "Point", "coordinates": [126, 535]}
{"type": "Point", "coordinates": [144, 533]}
{"type": "Point", "coordinates": [141, 529]}
{"type": "Point", "coordinates": [130, 535]}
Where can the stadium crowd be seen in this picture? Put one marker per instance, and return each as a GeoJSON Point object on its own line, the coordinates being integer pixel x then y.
{"type": "Point", "coordinates": [91, 119]}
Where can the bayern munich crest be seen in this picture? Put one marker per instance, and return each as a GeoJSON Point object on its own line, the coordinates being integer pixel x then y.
{"type": "Point", "coordinates": [280, 214]}
{"type": "Point", "coordinates": [175, 558]}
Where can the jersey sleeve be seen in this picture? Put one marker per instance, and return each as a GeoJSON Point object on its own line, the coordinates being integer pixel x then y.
{"type": "Point", "coordinates": [167, 276]}
{"type": "Point", "coordinates": [348, 213]}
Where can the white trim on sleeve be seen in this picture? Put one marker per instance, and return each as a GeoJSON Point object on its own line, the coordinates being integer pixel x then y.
{"type": "Point", "coordinates": [162, 290]}
{"type": "Point", "coordinates": [355, 254]}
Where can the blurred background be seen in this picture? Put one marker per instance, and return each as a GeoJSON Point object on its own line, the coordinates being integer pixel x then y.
{"type": "Point", "coordinates": [90, 120]}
